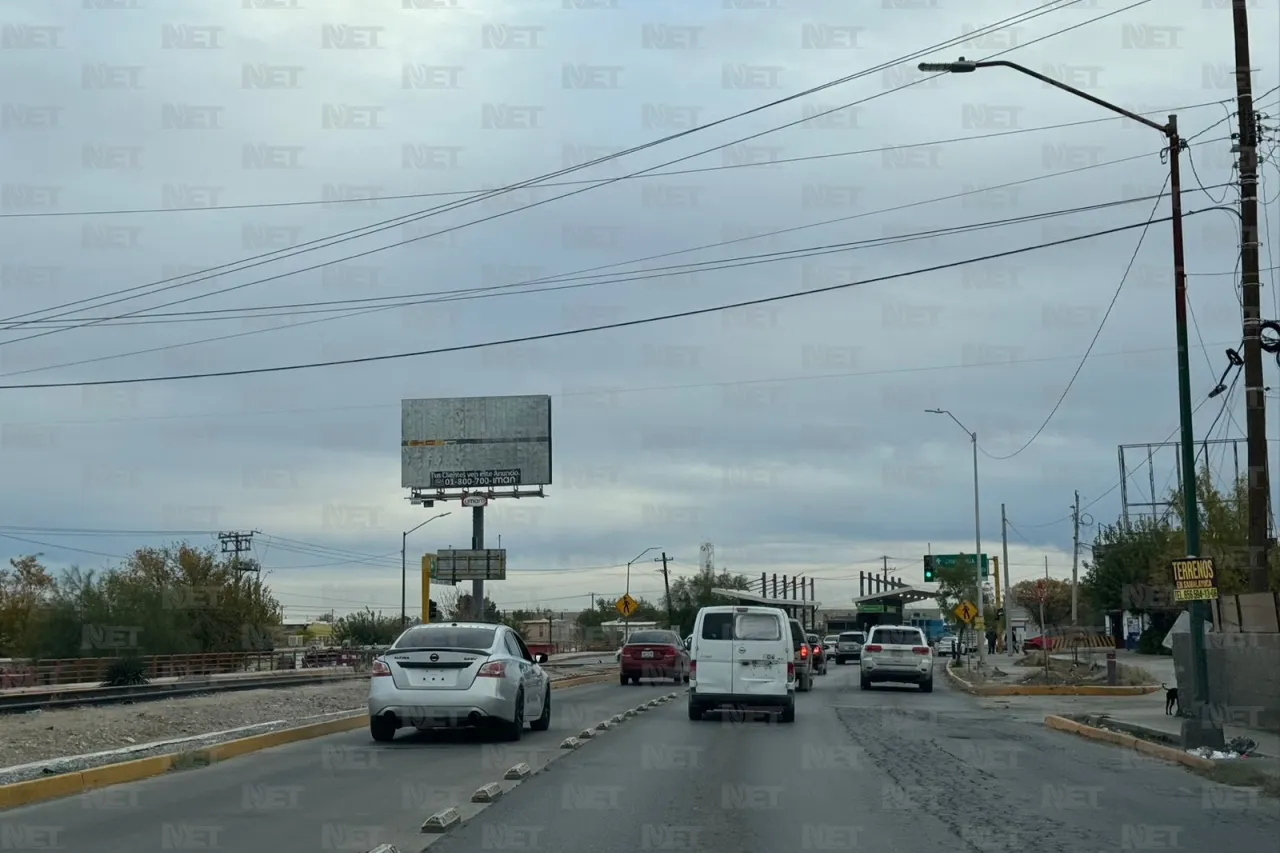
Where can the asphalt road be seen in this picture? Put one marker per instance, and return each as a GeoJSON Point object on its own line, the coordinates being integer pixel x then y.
{"type": "Point", "coordinates": [893, 770]}
{"type": "Point", "coordinates": [889, 770]}
{"type": "Point", "coordinates": [342, 792]}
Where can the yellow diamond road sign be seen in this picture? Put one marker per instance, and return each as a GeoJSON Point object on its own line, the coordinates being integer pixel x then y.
{"type": "Point", "coordinates": [965, 611]}
{"type": "Point", "coordinates": [627, 605]}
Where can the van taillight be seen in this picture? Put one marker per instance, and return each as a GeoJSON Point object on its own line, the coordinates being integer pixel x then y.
{"type": "Point", "coordinates": [380, 669]}
{"type": "Point", "coordinates": [791, 671]}
{"type": "Point", "coordinates": [693, 669]}
{"type": "Point", "coordinates": [875, 647]}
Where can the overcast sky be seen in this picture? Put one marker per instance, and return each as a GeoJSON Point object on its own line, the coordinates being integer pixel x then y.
{"type": "Point", "coordinates": [791, 435]}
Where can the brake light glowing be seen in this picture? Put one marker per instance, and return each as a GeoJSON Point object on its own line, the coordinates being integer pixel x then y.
{"type": "Point", "coordinates": [921, 650]}
{"type": "Point", "coordinates": [493, 669]}
{"type": "Point", "coordinates": [380, 669]}
{"type": "Point", "coordinates": [874, 647]}
{"type": "Point", "coordinates": [804, 652]}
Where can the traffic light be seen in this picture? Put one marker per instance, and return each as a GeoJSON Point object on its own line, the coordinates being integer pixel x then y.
{"type": "Point", "coordinates": [434, 615]}
{"type": "Point", "coordinates": [928, 568]}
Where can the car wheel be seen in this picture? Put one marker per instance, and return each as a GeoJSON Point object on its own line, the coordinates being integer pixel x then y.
{"type": "Point", "coordinates": [788, 714]}
{"type": "Point", "coordinates": [544, 721]}
{"type": "Point", "coordinates": [382, 729]}
{"type": "Point", "coordinates": [864, 683]}
{"type": "Point", "coordinates": [686, 678]}
{"type": "Point", "coordinates": [622, 679]}
{"type": "Point", "coordinates": [926, 686]}
{"type": "Point", "coordinates": [695, 713]}
{"type": "Point", "coordinates": [514, 730]}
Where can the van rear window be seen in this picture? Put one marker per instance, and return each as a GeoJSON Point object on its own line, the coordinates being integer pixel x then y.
{"type": "Point", "coordinates": [717, 626]}
{"type": "Point", "coordinates": [757, 626]}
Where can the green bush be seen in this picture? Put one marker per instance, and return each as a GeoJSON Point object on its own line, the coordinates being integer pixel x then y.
{"type": "Point", "coordinates": [1149, 642]}
{"type": "Point", "coordinates": [126, 672]}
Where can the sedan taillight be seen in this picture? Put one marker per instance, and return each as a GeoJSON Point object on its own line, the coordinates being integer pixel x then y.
{"type": "Point", "coordinates": [875, 647]}
{"type": "Point", "coordinates": [380, 669]}
{"type": "Point", "coordinates": [493, 669]}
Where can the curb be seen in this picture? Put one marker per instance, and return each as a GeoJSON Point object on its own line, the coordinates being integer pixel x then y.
{"type": "Point", "coordinates": [81, 781]}
{"type": "Point", "coordinates": [1155, 750]}
{"type": "Point", "coordinates": [1050, 689]}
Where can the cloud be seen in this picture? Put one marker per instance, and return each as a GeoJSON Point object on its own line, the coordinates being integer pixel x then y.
{"type": "Point", "coordinates": [790, 434]}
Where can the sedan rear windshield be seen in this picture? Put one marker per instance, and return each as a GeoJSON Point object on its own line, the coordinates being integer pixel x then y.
{"type": "Point", "coordinates": [898, 637]}
{"type": "Point", "coordinates": [656, 638]}
{"type": "Point", "coordinates": [446, 637]}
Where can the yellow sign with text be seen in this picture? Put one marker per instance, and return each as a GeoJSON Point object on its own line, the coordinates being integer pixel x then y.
{"type": "Point", "coordinates": [1195, 579]}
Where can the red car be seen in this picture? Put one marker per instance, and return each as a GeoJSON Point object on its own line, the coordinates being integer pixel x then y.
{"type": "Point", "coordinates": [654, 655]}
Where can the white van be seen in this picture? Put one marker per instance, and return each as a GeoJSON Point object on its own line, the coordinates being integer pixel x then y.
{"type": "Point", "coordinates": [742, 658]}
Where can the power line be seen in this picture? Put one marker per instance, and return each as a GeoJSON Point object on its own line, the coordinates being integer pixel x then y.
{"type": "Point", "coordinates": [140, 211]}
{"type": "Point", "coordinates": [491, 291]}
{"type": "Point", "coordinates": [688, 386]}
{"type": "Point", "coordinates": [1118, 483]}
{"type": "Point", "coordinates": [409, 218]}
{"type": "Point", "coordinates": [639, 275]}
{"type": "Point", "coordinates": [597, 328]}
{"type": "Point", "coordinates": [1142, 236]}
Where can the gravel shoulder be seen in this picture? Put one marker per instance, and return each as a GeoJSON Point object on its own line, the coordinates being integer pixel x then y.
{"type": "Point", "coordinates": [74, 734]}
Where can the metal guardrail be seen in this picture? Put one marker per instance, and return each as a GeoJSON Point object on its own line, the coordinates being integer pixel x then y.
{"type": "Point", "coordinates": [45, 699]}
{"type": "Point", "coordinates": [53, 673]}
{"type": "Point", "coordinates": [67, 698]}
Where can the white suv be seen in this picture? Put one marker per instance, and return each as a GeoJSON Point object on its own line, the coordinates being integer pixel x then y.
{"type": "Point", "coordinates": [897, 653]}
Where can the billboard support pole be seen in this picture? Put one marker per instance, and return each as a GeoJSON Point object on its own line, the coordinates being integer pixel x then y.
{"type": "Point", "coordinates": [477, 543]}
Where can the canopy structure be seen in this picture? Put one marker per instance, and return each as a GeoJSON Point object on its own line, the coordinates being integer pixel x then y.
{"type": "Point", "coordinates": [805, 611]}
{"type": "Point", "coordinates": [908, 594]}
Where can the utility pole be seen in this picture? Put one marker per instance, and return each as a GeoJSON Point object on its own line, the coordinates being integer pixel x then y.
{"type": "Point", "coordinates": [666, 585]}
{"type": "Point", "coordinates": [886, 567]}
{"type": "Point", "coordinates": [1008, 598]}
{"type": "Point", "coordinates": [235, 544]}
{"type": "Point", "coordinates": [1075, 562]}
{"type": "Point", "coordinates": [1251, 303]}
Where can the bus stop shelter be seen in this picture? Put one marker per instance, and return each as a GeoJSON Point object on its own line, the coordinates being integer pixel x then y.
{"type": "Point", "coordinates": [805, 611]}
{"type": "Point", "coordinates": [888, 607]}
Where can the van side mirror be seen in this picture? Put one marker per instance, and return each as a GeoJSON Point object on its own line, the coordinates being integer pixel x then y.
{"type": "Point", "coordinates": [688, 645]}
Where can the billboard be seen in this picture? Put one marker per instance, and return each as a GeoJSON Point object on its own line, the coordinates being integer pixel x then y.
{"type": "Point", "coordinates": [475, 442]}
{"type": "Point", "coordinates": [486, 564]}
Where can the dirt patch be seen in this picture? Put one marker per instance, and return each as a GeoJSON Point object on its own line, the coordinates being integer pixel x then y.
{"type": "Point", "coordinates": [1072, 673]}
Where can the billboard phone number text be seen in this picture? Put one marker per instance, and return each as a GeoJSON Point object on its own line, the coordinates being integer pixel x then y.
{"type": "Point", "coordinates": [471, 479]}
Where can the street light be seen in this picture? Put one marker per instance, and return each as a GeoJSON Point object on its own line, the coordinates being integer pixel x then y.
{"type": "Point", "coordinates": [626, 620]}
{"type": "Point", "coordinates": [403, 539]}
{"type": "Point", "coordinates": [1201, 731]}
{"type": "Point", "coordinates": [977, 529]}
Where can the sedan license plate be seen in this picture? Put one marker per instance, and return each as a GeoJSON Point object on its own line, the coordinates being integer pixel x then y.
{"type": "Point", "coordinates": [646, 654]}
{"type": "Point", "coordinates": [437, 678]}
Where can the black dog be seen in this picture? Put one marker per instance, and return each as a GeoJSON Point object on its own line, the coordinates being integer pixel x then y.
{"type": "Point", "coordinates": [1171, 701]}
